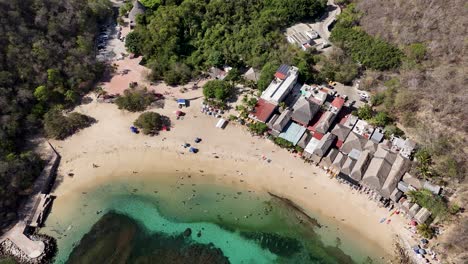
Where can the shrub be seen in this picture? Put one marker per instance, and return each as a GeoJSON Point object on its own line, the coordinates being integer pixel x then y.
{"type": "Point", "coordinates": [393, 130]}
{"type": "Point", "coordinates": [381, 119]}
{"type": "Point", "coordinates": [283, 143]}
{"type": "Point", "coordinates": [417, 51]}
{"type": "Point", "coordinates": [258, 128]}
{"type": "Point", "coordinates": [434, 203]}
{"type": "Point", "coordinates": [151, 122]}
{"type": "Point", "coordinates": [369, 51]}
{"type": "Point", "coordinates": [133, 42]}
{"type": "Point", "coordinates": [365, 112]}
{"type": "Point", "coordinates": [59, 126]}
{"type": "Point", "coordinates": [135, 100]}
{"type": "Point", "coordinates": [377, 99]}
{"type": "Point", "coordinates": [425, 231]}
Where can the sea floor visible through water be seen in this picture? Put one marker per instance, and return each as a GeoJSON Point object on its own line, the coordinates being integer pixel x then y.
{"type": "Point", "coordinates": [246, 226]}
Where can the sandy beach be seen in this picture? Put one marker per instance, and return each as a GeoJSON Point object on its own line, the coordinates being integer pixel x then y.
{"type": "Point", "coordinates": [108, 151]}
{"type": "Point", "coordinates": [117, 152]}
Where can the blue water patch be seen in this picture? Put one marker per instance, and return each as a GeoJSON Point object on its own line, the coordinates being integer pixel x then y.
{"type": "Point", "coordinates": [231, 243]}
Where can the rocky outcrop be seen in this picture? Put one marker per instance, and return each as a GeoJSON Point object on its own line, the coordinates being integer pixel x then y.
{"type": "Point", "coordinates": [9, 249]}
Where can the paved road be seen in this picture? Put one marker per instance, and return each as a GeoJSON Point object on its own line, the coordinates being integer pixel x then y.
{"type": "Point", "coordinates": [326, 20]}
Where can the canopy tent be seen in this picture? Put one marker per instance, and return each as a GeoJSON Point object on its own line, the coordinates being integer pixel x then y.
{"type": "Point", "coordinates": [182, 102]}
{"type": "Point", "coordinates": [221, 123]}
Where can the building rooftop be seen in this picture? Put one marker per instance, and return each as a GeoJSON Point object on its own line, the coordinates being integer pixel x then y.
{"type": "Point", "coordinates": [363, 128]}
{"type": "Point", "coordinates": [252, 75]}
{"type": "Point", "coordinates": [350, 121]}
{"type": "Point", "coordinates": [377, 136]}
{"type": "Point", "coordinates": [341, 132]}
{"type": "Point", "coordinates": [263, 111]}
{"type": "Point", "coordinates": [337, 104]}
{"type": "Point", "coordinates": [137, 9]}
{"type": "Point", "coordinates": [282, 120]}
{"type": "Point", "coordinates": [304, 111]}
{"type": "Point", "coordinates": [281, 85]}
{"type": "Point", "coordinates": [379, 168]}
{"type": "Point", "coordinates": [325, 122]}
{"type": "Point", "coordinates": [282, 72]}
{"type": "Point", "coordinates": [293, 133]}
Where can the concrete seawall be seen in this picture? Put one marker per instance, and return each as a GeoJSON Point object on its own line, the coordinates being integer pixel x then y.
{"type": "Point", "coordinates": [32, 212]}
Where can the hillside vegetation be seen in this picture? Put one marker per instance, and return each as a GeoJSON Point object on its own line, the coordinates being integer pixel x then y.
{"type": "Point", "coordinates": [46, 62]}
{"type": "Point", "coordinates": [426, 91]}
{"type": "Point", "coordinates": [179, 40]}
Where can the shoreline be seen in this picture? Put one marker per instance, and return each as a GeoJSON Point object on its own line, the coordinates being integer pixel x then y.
{"type": "Point", "coordinates": [116, 151]}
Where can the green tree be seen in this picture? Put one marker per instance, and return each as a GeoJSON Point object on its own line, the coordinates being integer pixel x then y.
{"type": "Point", "coordinates": [233, 75]}
{"type": "Point", "coordinates": [135, 100]}
{"type": "Point", "coordinates": [381, 119]}
{"type": "Point", "coordinates": [149, 122]}
{"type": "Point", "coordinates": [217, 89]}
{"type": "Point", "coordinates": [59, 126]}
{"type": "Point", "coordinates": [267, 75]}
{"type": "Point", "coordinates": [41, 93]}
{"type": "Point", "coordinates": [369, 51]}
{"type": "Point", "coordinates": [365, 112]}
{"type": "Point", "coordinates": [133, 42]}
{"type": "Point", "coordinates": [426, 231]}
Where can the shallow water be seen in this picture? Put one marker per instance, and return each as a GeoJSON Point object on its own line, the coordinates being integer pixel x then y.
{"type": "Point", "coordinates": [246, 226]}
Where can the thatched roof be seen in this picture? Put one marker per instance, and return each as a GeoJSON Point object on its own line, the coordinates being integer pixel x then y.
{"type": "Point", "coordinates": [324, 144]}
{"type": "Point", "coordinates": [327, 161]}
{"type": "Point", "coordinates": [361, 165]}
{"type": "Point", "coordinates": [252, 75]}
{"type": "Point", "coordinates": [399, 167]}
{"type": "Point", "coordinates": [379, 168]}
{"type": "Point", "coordinates": [304, 110]}
{"type": "Point", "coordinates": [282, 120]}
{"type": "Point", "coordinates": [138, 9]}
{"type": "Point", "coordinates": [348, 166]}
{"type": "Point", "coordinates": [325, 122]}
{"type": "Point", "coordinates": [338, 161]}
{"type": "Point", "coordinates": [413, 181]}
{"type": "Point", "coordinates": [353, 141]}
{"type": "Point", "coordinates": [341, 132]}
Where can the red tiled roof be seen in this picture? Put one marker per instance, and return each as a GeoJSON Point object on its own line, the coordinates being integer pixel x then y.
{"type": "Point", "coordinates": [263, 110]}
{"type": "Point", "coordinates": [315, 121]}
{"type": "Point", "coordinates": [339, 143]}
{"type": "Point", "coordinates": [318, 135]}
{"type": "Point", "coordinates": [338, 102]}
{"type": "Point", "coordinates": [344, 119]}
{"type": "Point", "coordinates": [280, 75]}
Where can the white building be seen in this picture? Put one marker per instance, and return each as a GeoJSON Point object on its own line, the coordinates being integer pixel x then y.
{"type": "Point", "coordinates": [284, 81]}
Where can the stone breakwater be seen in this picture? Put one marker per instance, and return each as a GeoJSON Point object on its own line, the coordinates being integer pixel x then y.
{"type": "Point", "coordinates": [9, 249]}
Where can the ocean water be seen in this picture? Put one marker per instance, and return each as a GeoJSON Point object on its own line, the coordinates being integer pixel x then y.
{"type": "Point", "coordinates": [146, 221]}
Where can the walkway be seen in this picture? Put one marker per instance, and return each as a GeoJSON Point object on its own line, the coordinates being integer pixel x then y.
{"type": "Point", "coordinates": [31, 212]}
{"type": "Point", "coordinates": [322, 27]}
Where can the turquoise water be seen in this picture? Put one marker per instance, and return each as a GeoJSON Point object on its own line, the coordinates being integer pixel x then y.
{"type": "Point", "coordinates": [247, 227]}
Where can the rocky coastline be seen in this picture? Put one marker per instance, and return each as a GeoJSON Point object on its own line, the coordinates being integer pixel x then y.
{"type": "Point", "coordinates": [9, 249]}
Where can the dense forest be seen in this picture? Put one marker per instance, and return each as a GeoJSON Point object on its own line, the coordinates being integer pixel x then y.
{"type": "Point", "coordinates": [181, 38]}
{"type": "Point", "coordinates": [46, 62]}
{"type": "Point", "coordinates": [424, 88]}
